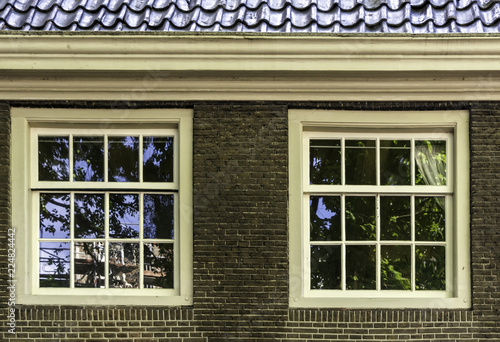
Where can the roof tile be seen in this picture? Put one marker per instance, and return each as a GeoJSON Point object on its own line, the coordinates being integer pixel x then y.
{"type": "Point", "coordinates": [317, 16]}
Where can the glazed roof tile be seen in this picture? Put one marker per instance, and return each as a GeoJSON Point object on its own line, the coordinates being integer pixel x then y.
{"type": "Point", "coordinates": [306, 16]}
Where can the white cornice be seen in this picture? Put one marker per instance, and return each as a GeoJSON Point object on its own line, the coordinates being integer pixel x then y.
{"type": "Point", "coordinates": [143, 67]}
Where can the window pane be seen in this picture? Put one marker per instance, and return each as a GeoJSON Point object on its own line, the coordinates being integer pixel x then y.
{"type": "Point", "coordinates": [430, 157]}
{"type": "Point", "coordinates": [395, 217]}
{"type": "Point", "coordinates": [360, 164]}
{"type": "Point", "coordinates": [325, 267]}
{"type": "Point", "coordinates": [54, 215]}
{"type": "Point", "coordinates": [158, 216]}
{"type": "Point", "coordinates": [54, 267]}
{"type": "Point", "coordinates": [395, 156]}
{"type": "Point", "coordinates": [324, 161]}
{"type": "Point", "coordinates": [124, 265]}
{"type": "Point", "coordinates": [396, 267]}
{"type": "Point", "coordinates": [360, 218]}
{"type": "Point", "coordinates": [325, 218]}
{"type": "Point", "coordinates": [88, 155]}
{"type": "Point", "coordinates": [89, 264]}
{"type": "Point", "coordinates": [159, 265]}
{"type": "Point", "coordinates": [430, 268]}
{"type": "Point", "coordinates": [89, 216]}
{"type": "Point", "coordinates": [360, 268]}
{"type": "Point", "coordinates": [429, 218]}
{"type": "Point", "coordinates": [123, 216]}
{"type": "Point", "coordinates": [53, 158]}
{"type": "Point", "coordinates": [158, 159]}
{"type": "Point", "coordinates": [123, 162]}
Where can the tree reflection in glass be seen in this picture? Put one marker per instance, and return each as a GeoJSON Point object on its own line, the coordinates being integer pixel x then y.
{"type": "Point", "coordinates": [158, 216]}
{"type": "Point", "coordinates": [158, 159]}
{"type": "Point", "coordinates": [89, 264]}
{"type": "Point", "coordinates": [54, 264]}
{"type": "Point", "coordinates": [325, 267]}
{"type": "Point", "coordinates": [324, 161]}
{"type": "Point", "coordinates": [123, 215]}
{"type": "Point", "coordinates": [430, 268]}
{"type": "Point", "coordinates": [54, 215]}
{"type": "Point", "coordinates": [124, 265]}
{"type": "Point", "coordinates": [360, 218]}
{"type": "Point", "coordinates": [360, 267]}
{"type": "Point", "coordinates": [53, 158]}
{"type": "Point", "coordinates": [395, 217]}
{"type": "Point", "coordinates": [360, 166]}
{"type": "Point", "coordinates": [88, 156]}
{"type": "Point", "coordinates": [395, 156]}
{"type": "Point", "coordinates": [89, 216]}
{"type": "Point", "coordinates": [325, 218]}
{"type": "Point", "coordinates": [123, 159]}
{"type": "Point", "coordinates": [158, 265]}
{"type": "Point", "coordinates": [396, 267]}
{"type": "Point", "coordinates": [430, 218]}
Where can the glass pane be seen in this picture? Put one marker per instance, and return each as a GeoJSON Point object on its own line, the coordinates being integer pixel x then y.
{"type": "Point", "coordinates": [158, 216]}
{"type": "Point", "coordinates": [325, 267]}
{"type": "Point", "coordinates": [53, 158]}
{"type": "Point", "coordinates": [89, 264]}
{"type": "Point", "coordinates": [360, 218]}
{"type": "Point", "coordinates": [395, 217]}
{"type": "Point", "coordinates": [429, 219]}
{"type": "Point", "coordinates": [430, 266]}
{"type": "Point", "coordinates": [123, 162]}
{"type": "Point", "coordinates": [88, 156]}
{"type": "Point", "coordinates": [158, 159]}
{"type": "Point", "coordinates": [159, 266]}
{"type": "Point", "coordinates": [54, 264]}
{"type": "Point", "coordinates": [324, 161]}
{"type": "Point", "coordinates": [123, 216]}
{"type": "Point", "coordinates": [430, 158]}
{"type": "Point", "coordinates": [124, 265]}
{"type": "Point", "coordinates": [89, 216]}
{"type": "Point", "coordinates": [396, 267]}
{"type": "Point", "coordinates": [325, 218]}
{"type": "Point", "coordinates": [360, 163]}
{"type": "Point", "coordinates": [54, 216]}
{"type": "Point", "coordinates": [395, 156]}
{"type": "Point", "coordinates": [360, 268]}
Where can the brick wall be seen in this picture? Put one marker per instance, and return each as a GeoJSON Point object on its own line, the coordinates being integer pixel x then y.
{"type": "Point", "coordinates": [240, 219]}
{"type": "Point", "coordinates": [5, 221]}
{"type": "Point", "coordinates": [240, 247]}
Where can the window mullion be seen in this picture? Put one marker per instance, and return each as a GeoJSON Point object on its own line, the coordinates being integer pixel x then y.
{"type": "Point", "coordinates": [106, 155]}
{"type": "Point", "coordinates": [343, 249]}
{"type": "Point", "coordinates": [412, 161]}
{"type": "Point", "coordinates": [342, 161]}
{"type": "Point", "coordinates": [377, 246]}
{"type": "Point", "coordinates": [141, 235]}
{"type": "Point", "coordinates": [413, 256]}
{"type": "Point", "coordinates": [106, 240]}
{"type": "Point", "coordinates": [141, 157]}
{"type": "Point", "coordinates": [71, 158]}
{"type": "Point", "coordinates": [72, 242]}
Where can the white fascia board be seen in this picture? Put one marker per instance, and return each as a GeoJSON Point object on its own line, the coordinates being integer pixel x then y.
{"type": "Point", "coordinates": [248, 67]}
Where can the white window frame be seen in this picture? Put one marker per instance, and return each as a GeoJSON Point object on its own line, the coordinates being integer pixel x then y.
{"type": "Point", "coordinates": [26, 124]}
{"type": "Point", "coordinates": [454, 125]}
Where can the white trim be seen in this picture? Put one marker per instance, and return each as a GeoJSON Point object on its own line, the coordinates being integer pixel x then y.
{"type": "Point", "coordinates": [249, 67]}
{"type": "Point", "coordinates": [458, 290]}
{"type": "Point", "coordinates": [23, 120]}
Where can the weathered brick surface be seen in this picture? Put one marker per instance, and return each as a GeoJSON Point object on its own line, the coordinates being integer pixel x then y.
{"type": "Point", "coordinates": [240, 245]}
{"type": "Point", "coordinates": [5, 221]}
{"type": "Point", "coordinates": [240, 219]}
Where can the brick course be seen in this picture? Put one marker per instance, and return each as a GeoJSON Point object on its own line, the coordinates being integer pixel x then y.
{"type": "Point", "coordinates": [240, 245]}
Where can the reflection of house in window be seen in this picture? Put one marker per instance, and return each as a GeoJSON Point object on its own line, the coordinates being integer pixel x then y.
{"type": "Point", "coordinates": [89, 265]}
